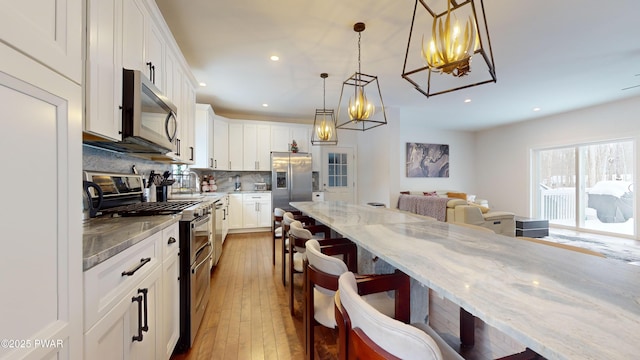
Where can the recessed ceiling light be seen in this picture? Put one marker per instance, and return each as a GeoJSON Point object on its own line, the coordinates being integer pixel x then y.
{"type": "Point", "coordinates": [274, 58]}
{"type": "Point", "coordinates": [265, 105]}
{"type": "Point", "coordinates": [202, 84]}
{"type": "Point", "coordinates": [467, 100]}
{"type": "Point", "coordinates": [536, 109]}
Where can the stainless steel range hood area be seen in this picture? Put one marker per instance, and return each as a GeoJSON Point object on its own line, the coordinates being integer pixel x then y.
{"type": "Point", "coordinates": [134, 147]}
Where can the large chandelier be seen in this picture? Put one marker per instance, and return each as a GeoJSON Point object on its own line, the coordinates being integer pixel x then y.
{"type": "Point", "coordinates": [324, 123]}
{"type": "Point", "coordinates": [443, 57]}
{"type": "Point", "coordinates": [360, 113]}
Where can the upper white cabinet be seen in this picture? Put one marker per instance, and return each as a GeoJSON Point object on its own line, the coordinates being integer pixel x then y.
{"type": "Point", "coordinates": [236, 146]}
{"type": "Point", "coordinates": [132, 34]}
{"type": "Point", "coordinates": [256, 147]}
{"type": "Point", "coordinates": [154, 50]}
{"type": "Point", "coordinates": [41, 277]}
{"type": "Point", "coordinates": [135, 21]}
{"type": "Point", "coordinates": [103, 82]}
{"type": "Point", "coordinates": [220, 143]}
{"type": "Point", "coordinates": [47, 30]}
{"type": "Point", "coordinates": [283, 135]}
{"type": "Point", "coordinates": [204, 136]}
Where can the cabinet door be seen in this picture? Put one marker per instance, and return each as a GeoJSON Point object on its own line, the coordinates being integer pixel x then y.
{"type": "Point", "coordinates": [41, 277]}
{"type": "Point", "coordinates": [113, 336]}
{"type": "Point", "coordinates": [170, 304]}
{"type": "Point", "coordinates": [264, 213]}
{"type": "Point", "coordinates": [280, 138]}
{"type": "Point", "coordinates": [146, 347]}
{"type": "Point", "coordinates": [249, 147]}
{"type": "Point", "coordinates": [250, 214]}
{"type": "Point", "coordinates": [47, 30]}
{"type": "Point", "coordinates": [204, 137]}
{"type": "Point", "coordinates": [103, 82]}
{"type": "Point", "coordinates": [154, 47]}
{"type": "Point", "coordinates": [301, 134]}
{"type": "Point", "coordinates": [263, 147]}
{"type": "Point", "coordinates": [236, 150]}
{"type": "Point", "coordinates": [220, 144]}
{"type": "Point", "coordinates": [134, 20]}
{"type": "Point", "coordinates": [188, 123]}
{"type": "Point", "coordinates": [236, 210]}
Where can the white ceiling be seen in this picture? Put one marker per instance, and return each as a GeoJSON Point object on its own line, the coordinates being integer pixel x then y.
{"type": "Point", "coordinates": [556, 55]}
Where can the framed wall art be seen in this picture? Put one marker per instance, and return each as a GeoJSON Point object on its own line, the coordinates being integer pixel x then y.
{"type": "Point", "coordinates": [427, 160]}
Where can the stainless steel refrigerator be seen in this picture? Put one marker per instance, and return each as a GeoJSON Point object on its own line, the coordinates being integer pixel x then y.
{"type": "Point", "coordinates": [290, 178]}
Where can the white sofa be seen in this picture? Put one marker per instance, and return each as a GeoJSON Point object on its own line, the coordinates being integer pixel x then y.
{"type": "Point", "coordinates": [475, 211]}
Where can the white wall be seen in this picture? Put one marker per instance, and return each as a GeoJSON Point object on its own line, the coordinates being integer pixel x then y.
{"type": "Point", "coordinates": [504, 153]}
{"type": "Point", "coordinates": [382, 158]}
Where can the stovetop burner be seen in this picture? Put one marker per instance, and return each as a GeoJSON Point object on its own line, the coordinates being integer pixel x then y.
{"type": "Point", "coordinates": [150, 208]}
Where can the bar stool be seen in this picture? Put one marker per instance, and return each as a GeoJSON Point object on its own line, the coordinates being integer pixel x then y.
{"type": "Point", "coordinates": [327, 260]}
{"type": "Point", "coordinates": [276, 229]}
{"type": "Point", "coordinates": [365, 333]}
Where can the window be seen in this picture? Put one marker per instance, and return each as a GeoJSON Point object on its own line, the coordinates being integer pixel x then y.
{"type": "Point", "coordinates": [587, 186]}
{"type": "Point", "coordinates": [338, 175]}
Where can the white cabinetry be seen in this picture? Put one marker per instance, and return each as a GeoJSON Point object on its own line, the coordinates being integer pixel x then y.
{"type": "Point", "coordinates": [154, 50]}
{"type": "Point", "coordinates": [235, 211]}
{"type": "Point", "coordinates": [220, 144]}
{"type": "Point", "coordinates": [283, 135]}
{"type": "Point", "coordinates": [103, 81]}
{"type": "Point", "coordinates": [225, 218]}
{"type": "Point", "coordinates": [133, 35]}
{"type": "Point", "coordinates": [41, 277]}
{"type": "Point", "coordinates": [49, 31]}
{"type": "Point", "coordinates": [236, 150]}
{"type": "Point", "coordinates": [256, 210]}
{"type": "Point", "coordinates": [256, 147]}
{"type": "Point", "coordinates": [132, 305]}
{"type": "Point", "coordinates": [204, 137]}
{"type": "Point", "coordinates": [170, 319]}
{"type": "Point", "coordinates": [134, 24]}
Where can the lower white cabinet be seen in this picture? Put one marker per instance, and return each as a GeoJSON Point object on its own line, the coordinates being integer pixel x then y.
{"type": "Point", "coordinates": [235, 211]}
{"type": "Point", "coordinates": [256, 210]}
{"type": "Point", "coordinates": [170, 290]}
{"type": "Point", "coordinates": [132, 305]}
{"type": "Point", "coordinates": [130, 328]}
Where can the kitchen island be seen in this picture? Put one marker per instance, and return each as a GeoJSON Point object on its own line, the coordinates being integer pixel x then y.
{"type": "Point", "coordinates": [560, 304]}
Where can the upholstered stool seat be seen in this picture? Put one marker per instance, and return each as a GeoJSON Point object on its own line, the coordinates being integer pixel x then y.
{"type": "Point", "coordinates": [373, 335]}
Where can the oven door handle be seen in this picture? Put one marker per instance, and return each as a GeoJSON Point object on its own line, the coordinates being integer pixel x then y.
{"type": "Point", "coordinates": [206, 259]}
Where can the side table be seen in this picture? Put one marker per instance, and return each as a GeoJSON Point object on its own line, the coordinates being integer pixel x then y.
{"type": "Point", "coordinates": [529, 227]}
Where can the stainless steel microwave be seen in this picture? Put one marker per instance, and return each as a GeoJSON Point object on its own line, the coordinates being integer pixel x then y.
{"type": "Point", "coordinates": [149, 119]}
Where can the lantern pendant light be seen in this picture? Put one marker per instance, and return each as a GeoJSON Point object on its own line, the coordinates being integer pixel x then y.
{"type": "Point", "coordinates": [324, 123]}
{"type": "Point", "coordinates": [365, 109]}
{"type": "Point", "coordinates": [454, 51]}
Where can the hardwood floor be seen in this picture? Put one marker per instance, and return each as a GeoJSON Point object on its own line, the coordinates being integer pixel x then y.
{"type": "Point", "coordinates": [248, 313]}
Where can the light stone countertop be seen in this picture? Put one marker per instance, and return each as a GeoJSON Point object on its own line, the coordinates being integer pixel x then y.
{"type": "Point", "coordinates": [559, 303]}
{"type": "Point", "coordinates": [106, 237]}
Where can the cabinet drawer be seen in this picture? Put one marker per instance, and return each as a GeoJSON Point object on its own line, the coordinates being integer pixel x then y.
{"type": "Point", "coordinates": [106, 283]}
{"type": "Point", "coordinates": [170, 241]}
{"type": "Point", "coordinates": [256, 197]}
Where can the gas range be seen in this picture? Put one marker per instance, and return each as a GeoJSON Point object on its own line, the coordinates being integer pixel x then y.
{"type": "Point", "coordinates": [122, 196]}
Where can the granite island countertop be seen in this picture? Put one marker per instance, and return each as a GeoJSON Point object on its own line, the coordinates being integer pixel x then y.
{"type": "Point", "coordinates": [561, 304]}
{"type": "Point", "coordinates": [106, 237]}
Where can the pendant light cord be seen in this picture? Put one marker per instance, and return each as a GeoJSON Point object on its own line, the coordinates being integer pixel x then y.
{"type": "Point", "coordinates": [324, 93]}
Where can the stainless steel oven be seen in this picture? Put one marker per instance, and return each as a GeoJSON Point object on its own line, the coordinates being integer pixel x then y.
{"type": "Point", "coordinates": [199, 274]}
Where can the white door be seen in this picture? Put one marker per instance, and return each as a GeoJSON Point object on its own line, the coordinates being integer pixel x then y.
{"type": "Point", "coordinates": [338, 165]}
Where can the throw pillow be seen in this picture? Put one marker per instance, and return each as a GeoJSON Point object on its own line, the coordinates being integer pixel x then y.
{"type": "Point", "coordinates": [483, 209]}
{"type": "Point", "coordinates": [457, 195]}
{"type": "Point", "coordinates": [430, 193]}
{"type": "Point", "coordinates": [404, 193]}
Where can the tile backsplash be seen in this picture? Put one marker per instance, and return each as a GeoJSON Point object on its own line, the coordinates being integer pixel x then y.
{"type": "Point", "coordinates": [225, 180]}
{"type": "Point", "coordinates": [96, 159]}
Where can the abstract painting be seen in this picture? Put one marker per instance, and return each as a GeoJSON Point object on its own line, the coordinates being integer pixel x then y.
{"type": "Point", "coordinates": [427, 160]}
